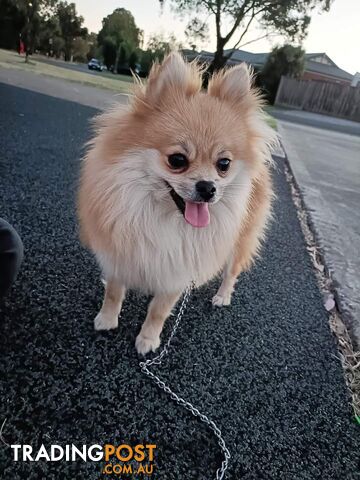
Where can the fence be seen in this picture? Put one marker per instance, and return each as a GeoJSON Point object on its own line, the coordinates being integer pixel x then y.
{"type": "Point", "coordinates": [320, 97]}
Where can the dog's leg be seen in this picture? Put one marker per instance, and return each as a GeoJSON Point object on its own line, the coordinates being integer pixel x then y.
{"type": "Point", "coordinates": [240, 261]}
{"type": "Point", "coordinates": [230, 274]}
{"type": "Point", "coordinates": [248, 244]}
{"type": "Point", "coordinates": [159, 309]}
{"type": "Point", "coordinates": [107, 318]}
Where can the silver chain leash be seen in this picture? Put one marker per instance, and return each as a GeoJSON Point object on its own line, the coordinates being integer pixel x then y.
{"type": "Point", "coordinates": [220, 473]}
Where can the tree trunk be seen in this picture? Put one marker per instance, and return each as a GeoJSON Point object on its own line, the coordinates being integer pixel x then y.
{"type": "Point", "coordinates": [218, 62]}
{"type": "Point", "coordinates": [26, 39]}
{"type": "Point", "coordinates": [67, 52]}
{"type": "Point", "coordinates": [116, 66]}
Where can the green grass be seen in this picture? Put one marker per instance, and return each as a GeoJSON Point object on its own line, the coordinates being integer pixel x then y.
{"type": "Point", "coordinates": [118, 83]}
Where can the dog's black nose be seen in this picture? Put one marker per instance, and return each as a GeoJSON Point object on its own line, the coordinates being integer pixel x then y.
{"type": "Point", "coordinates": [205, 189]}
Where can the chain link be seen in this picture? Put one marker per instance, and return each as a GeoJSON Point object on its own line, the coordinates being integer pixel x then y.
{"type": "Point", "coordinates": [220, 473]}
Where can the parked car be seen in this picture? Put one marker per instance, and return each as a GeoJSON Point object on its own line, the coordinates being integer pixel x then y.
{"type": "Point", "coordinates": [125, 69]}
{"type": "Point", "coordinates": [95, 64]}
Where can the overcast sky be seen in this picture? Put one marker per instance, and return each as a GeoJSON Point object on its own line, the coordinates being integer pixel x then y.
{"type": "Point", "coordinates": [337, 33]}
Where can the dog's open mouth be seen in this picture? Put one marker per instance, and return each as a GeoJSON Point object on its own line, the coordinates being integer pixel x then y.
{"type": "Point", "coordinates": [195, 213]}
{"type": "Point", "coordinates": [179, 201]}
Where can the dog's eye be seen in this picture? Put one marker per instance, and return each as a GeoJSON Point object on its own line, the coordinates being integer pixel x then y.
{"type": "Point", "coordinates": [223, 165]}
{"type": "Point", "coordinates": [178, 161]}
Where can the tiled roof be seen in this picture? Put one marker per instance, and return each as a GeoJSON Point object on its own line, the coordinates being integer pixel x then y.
{"type": "Point", "coordinates": [256, 59]}
{"type": "Point", "coordinates": [259, 59]}
{"type": "Point", "coordinates": [328, 70]}
{"type": "Point", "coordinates": [311, 56]}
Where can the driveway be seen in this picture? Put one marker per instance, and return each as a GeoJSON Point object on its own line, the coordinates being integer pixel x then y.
{"type": "Point", "coordinates": [265, 369]}
{"type": "Point", "coordinates": [326, 165]}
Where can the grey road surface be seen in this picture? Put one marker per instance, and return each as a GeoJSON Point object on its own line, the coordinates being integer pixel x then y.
{"type": "Point", "coordinates": [80, 67]}
{"type": "Point", "coordinates": [265, 369]}
{"type": "Point", "coordinates": [56, 87]}
{"type": "Point", "coordinates": [326, 165]}
{"type": "Point", "coordinates": [317, 120]}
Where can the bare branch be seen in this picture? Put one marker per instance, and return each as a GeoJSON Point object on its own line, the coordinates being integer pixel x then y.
{"type": "Point", "coordinates": [267, 35]}
{"type": "Point", "coordinates": [210, 6]}
{"type": "Point", "coordinates": [218, 20]}
{"type": "Point", "coordinates": [242, 13]}
{"type": "Point", "coordinates": [245, 29]}
{"type": "Point", "coordinates": [253, 15]}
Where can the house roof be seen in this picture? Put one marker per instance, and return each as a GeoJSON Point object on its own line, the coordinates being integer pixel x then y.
{"type": "Point", "coordinates": [256, 59]}
{"type": "Point", "coordinates": [313, 56]}
{"type": "Point", "coordinates": [329, 69]}
{"type": "Point", "coordinates": [238, 56]}
{"type": "Point", "coordinates": [188, 51]}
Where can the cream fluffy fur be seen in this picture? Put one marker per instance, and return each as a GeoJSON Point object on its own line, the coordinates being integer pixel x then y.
{"type": "Point", "coordinates": [156, 250]}
{"type": "Point", "coordinates": [127, 216]}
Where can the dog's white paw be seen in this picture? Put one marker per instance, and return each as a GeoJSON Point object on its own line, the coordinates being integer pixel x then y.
{"type": "Point", "coordinates": [105, 321]}
{"type": "Point", "coordinates": [144, 344]}
{"type": "Point", "coordinates": [221, 300]}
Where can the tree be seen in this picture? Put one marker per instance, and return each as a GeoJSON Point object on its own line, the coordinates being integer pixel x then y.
{"type": "Point", "coordinates": [158, 46]}
{"type": "Point", "coordinates": [93, 49]}
{"type": "Point", "coordinates": [133, 59]}
{"type": "Point", "coordinates": [196, 33]}
{"type": "Point", "coordinates": [109, 52]}
{"type": "Point", "coordinates": [12, 22]}
{"type": "Point", "coordinates": [287, 17]}
{"type": "Point", "coordinates": [33, 12]}
{"type": "Point", "coordinates": [286, 60]}
{"type": "Point", "coordinates": [47, 25]}
{"type": "Point", "coordinates": [80, 49]}
{"type": "Point", "coordinates": [71, 26]}
{"type": "Point", "coordinates": [57, 46]}
{"type": "Point", "coordinates": [85, 48]}
{"type": "Point", "coordinates": [121, 28]}
{"type": "Point", "coordinates": [50, 41]}
{"type": "Point", "coordinates": [123, 55]}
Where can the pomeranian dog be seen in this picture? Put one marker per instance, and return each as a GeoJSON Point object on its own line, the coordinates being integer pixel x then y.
{"type": "Point", "coordinates": [176, 187]}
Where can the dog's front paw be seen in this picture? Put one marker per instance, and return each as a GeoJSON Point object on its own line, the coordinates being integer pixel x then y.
{"type": "Point", "coordinates": [144, 344]}
{"type": "Point", "coordinates": [105, 321]}
{"type": "Point", "coordinates": [220, 300]}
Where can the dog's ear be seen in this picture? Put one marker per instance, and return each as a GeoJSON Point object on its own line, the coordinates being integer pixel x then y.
{"type": "Point", "coordinates": [232, 84]}
{"type": "Point", "coordinates": [172, 73]}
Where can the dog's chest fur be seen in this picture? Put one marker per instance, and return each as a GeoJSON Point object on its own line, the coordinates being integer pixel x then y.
{"type": "Point", "coordinates": [156, 251]}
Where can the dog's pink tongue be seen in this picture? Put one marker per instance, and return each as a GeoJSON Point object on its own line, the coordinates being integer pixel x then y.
{"type": "Point", "coordinates": [197, 214]}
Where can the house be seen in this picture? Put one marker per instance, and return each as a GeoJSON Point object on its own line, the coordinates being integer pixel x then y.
{"type": "Point", "coordinates": [356, 80]}
{"type": "Point", "coordinates": [318, 66]}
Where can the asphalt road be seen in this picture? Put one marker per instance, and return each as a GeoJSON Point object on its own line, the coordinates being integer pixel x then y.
{"type": "Point", "coordinates": [326, 165]}
{"type": "Point", "coordinates": [265, 369]}
{"type": "Point", "coordinates": [90, 96]}
{"type": "Point", "coordinates": [79, 67]}
{"type": "Point", "coordinates": [300, 117]}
